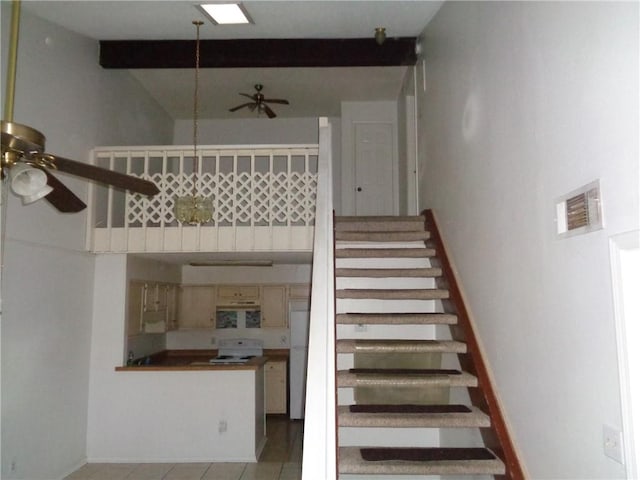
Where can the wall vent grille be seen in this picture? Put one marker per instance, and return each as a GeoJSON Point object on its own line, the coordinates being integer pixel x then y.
{"type": "Point", "coordinates": [579, 211]}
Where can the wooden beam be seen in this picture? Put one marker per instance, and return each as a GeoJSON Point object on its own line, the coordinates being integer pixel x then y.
{"type": "Point", "coordinates": [258, 53]}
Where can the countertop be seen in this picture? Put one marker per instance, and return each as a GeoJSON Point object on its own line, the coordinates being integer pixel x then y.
{"type": "Point", "coordinates": [191, 360]}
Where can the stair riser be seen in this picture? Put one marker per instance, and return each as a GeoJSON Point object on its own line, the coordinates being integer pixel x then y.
{"type": "Point", "coordinates": [390, 332]}
{"type": "Point", "coordinates": [381, 236]}
{"type": "Point", "coordinates": [391, 251]}
{"type": "Point", "coordinates": [395, 262]}
{"type": "Point", "coordinates": [379, 294]}
{"type": "Point", "coordinates": [357, 226]}
{"type": "Point", "coordinates": [350, 305]}
{"type": "Point", "coordinates": [384, 283]}
{"type": "Point", "coordinates": [388, 437]}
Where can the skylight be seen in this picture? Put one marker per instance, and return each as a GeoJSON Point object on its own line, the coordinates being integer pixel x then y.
{"type": "Point", "coordinates": [226, 13]}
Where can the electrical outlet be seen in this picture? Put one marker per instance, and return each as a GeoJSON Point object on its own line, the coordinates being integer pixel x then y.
{"type": "Point", "coordinates": [213, 340]}
{"type": "Point", "coordinates": [612, 442]}
{"type": "Point", "coordinates": [222, 426]}
{"type": "Point", "coordinates": [283, 340]}
{"type": "Point", "coordinates": [14, 465]}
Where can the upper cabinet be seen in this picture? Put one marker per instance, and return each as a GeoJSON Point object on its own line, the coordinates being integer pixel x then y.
{"type": "Point", "coordinates": [135, 307]}
{"type": "Point", "coordinates": [197, 306]}
{"type": "Point", "coordinates": [238, 295]}
{"type": "Point", "coordinates": [151, 307]}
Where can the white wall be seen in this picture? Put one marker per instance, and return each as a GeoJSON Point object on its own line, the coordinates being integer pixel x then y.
{"type": "Point", "coordinates": [525, 102]}
{"type": "Point", "coordinates": [47, 279]}
{"type": "Point", "coordinates": [247, 131]}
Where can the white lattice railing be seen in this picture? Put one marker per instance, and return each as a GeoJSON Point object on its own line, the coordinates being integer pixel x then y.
{"type": "Point", "coordinates": [263, 198]}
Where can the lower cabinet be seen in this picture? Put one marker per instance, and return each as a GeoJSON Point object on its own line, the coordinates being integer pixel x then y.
{"type": "Point", "coordinates": [275, 379]}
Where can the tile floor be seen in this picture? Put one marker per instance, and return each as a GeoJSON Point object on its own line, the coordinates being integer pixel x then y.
{"type": "Point", "coordinates": [280, 460]}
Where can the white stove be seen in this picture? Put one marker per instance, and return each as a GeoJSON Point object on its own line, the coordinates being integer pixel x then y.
{"type": "Point", "coordinates": [237, 350]}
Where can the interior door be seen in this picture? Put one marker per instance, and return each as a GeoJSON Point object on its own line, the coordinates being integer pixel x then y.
{"type": "Point", "coordinates": [374, 168]}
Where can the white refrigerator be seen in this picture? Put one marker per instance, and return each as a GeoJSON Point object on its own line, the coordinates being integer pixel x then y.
{"type": "Point", "coordinates": [299, 324]}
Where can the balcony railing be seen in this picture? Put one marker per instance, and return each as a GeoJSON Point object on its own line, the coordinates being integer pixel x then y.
{"type": "Point", "coordinates": [263, 199]}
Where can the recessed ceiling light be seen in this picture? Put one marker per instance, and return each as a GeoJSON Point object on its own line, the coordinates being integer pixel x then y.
{"type": "Point", "coordinates": [229, 13]}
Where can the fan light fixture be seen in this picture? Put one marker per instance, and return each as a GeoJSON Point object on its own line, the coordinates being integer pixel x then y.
{"type": "Point", "coordinates": [194, 209]}
{"type": "Point", "coordinates": [230, 13]}
{"type": "Point", "coordinates": [29, 183]}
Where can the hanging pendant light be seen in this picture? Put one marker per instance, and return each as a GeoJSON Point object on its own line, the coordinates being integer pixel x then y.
{"type": "Point", "coordinates": [194, 209]}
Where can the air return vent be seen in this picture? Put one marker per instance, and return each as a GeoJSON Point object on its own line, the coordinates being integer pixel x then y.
{"type": "Point", "coordinates": [579, 211]}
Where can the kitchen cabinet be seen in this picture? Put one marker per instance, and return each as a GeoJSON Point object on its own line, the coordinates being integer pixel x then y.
{"type": "Point", "coordinates": [172, 307]}
{"type": "Point", "coordinates": [273, 306]}
{"type": "Point", "coordinates": [197, 306]}
{"type": "Point", "coordinates": [238, 294]}
{"type": "Point", "coordinates": [155, 297]}
{"type": "Point", "coordinates": [300, 291]}
{"type": "Point", "coordinates": [135, 308]}
{"type": "Point", "coordinates": [275, 379]}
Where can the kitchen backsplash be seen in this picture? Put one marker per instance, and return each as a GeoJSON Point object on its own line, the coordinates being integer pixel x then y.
{"type": "Point", "coordinates": [203, 339]}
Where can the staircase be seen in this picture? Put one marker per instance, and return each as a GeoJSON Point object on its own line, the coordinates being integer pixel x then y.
{"type": "Point", "coordinates": [406, 366]}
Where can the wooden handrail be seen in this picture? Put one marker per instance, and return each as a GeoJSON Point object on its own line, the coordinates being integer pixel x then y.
{"type": "Point", "coordinates": [497, 437]}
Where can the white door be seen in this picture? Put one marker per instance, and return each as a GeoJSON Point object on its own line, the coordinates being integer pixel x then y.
{"type": "Point", "coordinates": [374, 177]}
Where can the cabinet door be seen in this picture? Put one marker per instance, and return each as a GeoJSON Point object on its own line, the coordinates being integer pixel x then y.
{"type": "Point", "coordinates": [232, 293]}
{"type": "Point", "coordinates": [135, 307]}
{"type": "Point", "coordinates": [172, 307]}
{"type": "Point", "coordinates": [275, 378]}
{"type": "Point", "coordinates": [197, 306]}
{"type": "Point", "coordinates": [272, 306]}
{"type": "Point", "coordinates": [300, 291]}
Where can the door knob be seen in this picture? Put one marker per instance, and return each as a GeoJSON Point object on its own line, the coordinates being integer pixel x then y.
{"type": "Point", "coordinates": [359, 189]}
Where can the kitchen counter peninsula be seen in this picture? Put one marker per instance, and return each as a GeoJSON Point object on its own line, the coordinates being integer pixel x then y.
{"type": "Point", "coordinates": [176, 360]}
{"type": "Point", "coordinates": [179, 408]}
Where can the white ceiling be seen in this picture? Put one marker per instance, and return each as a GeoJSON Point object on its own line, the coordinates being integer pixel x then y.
{"type": "Point", "coordinates": [310, 91]}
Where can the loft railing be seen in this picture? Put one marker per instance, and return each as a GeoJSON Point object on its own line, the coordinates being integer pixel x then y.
{"type": "Point", "coordinates": [319, 453]}
{"type": "Point", "coordinates": [263, 199]}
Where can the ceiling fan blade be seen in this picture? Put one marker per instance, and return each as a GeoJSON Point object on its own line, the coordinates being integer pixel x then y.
{"type": "Point", "coordinates": [276, 100]}
{"type": "Point", "coordinates": [63, 199]}
{"type": "Point", "coordinates": [101, 175]}
{"type": "Point", "coordinates": [241, 106]}
{"type": "Point", "coordinates": [252, 97]}
{"type": "Point", "coordinates": [270, 113]}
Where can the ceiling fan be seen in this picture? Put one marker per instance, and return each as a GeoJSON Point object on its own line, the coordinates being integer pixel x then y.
{"type": "Point", "coordinates": [259, 102]}
{"type": "Point", "coordinates": [24, 158]}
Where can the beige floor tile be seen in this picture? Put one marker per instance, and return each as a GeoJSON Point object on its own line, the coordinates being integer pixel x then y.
{"type": "Point", "coordinates": [113, 471]}
{"type": "Point", "coordinates": [262, 471]}
{"type": "Point", "coordinates": [291, 471]}
{"type": "Point", "coordinates": [150, 471]}
{"type": "Point", "coordinates": [85, 471]}
{"type": "Point", "coordinates": [224, 471]}
{"type": "Point", "coordinates": [187, 471]}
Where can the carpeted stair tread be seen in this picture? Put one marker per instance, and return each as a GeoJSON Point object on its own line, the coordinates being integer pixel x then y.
{"type": "Point", "coordinates": [396, 319]}
{"type": "Point", "coordinates": [384, 252]}
{"type": "Point", "coordinates": [393, 294]}
{"type": "Point", "coordinates": [351, 462]}
{"type": "Point", "coordinates": [399, 346]}
{"type": "Point", "coordinates": [411, 416]}
{"type": "Point", "coordinates": [382, 236]}
{"type": "Point", "coordinates": [347, 378]}
{"type": "Point", "coordinates": [388, 272]}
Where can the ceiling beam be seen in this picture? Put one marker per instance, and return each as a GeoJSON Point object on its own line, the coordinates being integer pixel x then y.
{"type": "Point", "coordinates": [258, 53]}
